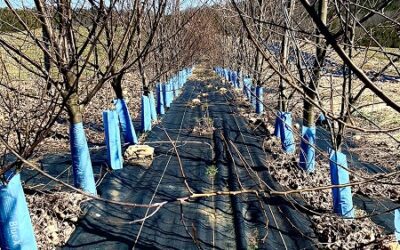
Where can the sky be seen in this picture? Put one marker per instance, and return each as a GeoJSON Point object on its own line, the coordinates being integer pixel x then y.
{"type": "Point", "coordinates": [29, 3]}
{"type": "Point", "coordinates": [18, 3]}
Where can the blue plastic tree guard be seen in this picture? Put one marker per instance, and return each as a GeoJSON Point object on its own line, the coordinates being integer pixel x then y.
{"type": "Point", "coordinates": [153, 110]}
{"type": "Point", "coordinates": [81, 163]}
{"type": "Point", "coordinates": [397, 224]}
{"type": "Point", "coordinates": [128, 130]}
{"type": "Point", "coordinates": [174, 87]}
{"type": "Point", "coordinates": [112, 139]}
{"type": "Point", "coordinates": [165, 95]}
{"type": "Point", "coordinates": [259, 100]}
{"type": "Point", "coordinates": [253, 97]}
{"type": "Point", "coordinates": [287, 139]}
{"type": "Point", "coordinates": [179, 83]}
{"type": "Point", "coordinates": [342, 199]}
{"type": "Point", "coordinates": [219, 71]}
{"type": "Point", "coordinates": [183, 78]}
{"type": "Point", "coordinates": [321, 118]}
{"type": "Point", "coordinates": [146, 114]}
{"type": "Point", "coordinates": [278, 124]}
{"type": "Point", "coordinates": [160, 99]}
{"type": "Point", "coordinates": [234, 78]}
{"type": "Point", "coordinates": [247, 88]}
{"type": "Point", "coordinates": [307, 150]}
{"type": "Point", "coordinates": [170, 95]}
{"type": "Point", "coordinates": [16, 231]}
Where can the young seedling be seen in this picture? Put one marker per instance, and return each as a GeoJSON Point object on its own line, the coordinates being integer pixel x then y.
{"type": "Point", "coordinates": [204, 107]}
{"type": "Point", "coordinates": [204, 126]}
{"type": "Point", "coordinates": [211, 171]}
{"type": "Point", "coordinates": [253, 240]}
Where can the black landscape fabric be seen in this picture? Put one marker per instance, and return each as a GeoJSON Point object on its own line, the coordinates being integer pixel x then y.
{"type": "Point", "coordinates": [245, 221]}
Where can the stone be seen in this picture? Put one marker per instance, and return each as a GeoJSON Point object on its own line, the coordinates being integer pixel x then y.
{"type": "Point", "coordinates": [196, 101]}
{"type": "Point", "coordinates": [223, 90]}
{"type": "Point", "coordinates": [139, 152]}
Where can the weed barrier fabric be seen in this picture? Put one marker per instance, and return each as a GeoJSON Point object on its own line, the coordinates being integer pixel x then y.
{"type": "Point", "coordinates": [220, 222]}
{"type": "Point", "coordinates": [307, 148]}
{"type": "Point", "coordinates": [16, 231]}
{"type": "Point", "coordinates": [113, 139]}
{"type": "Point", "coordinates": [81, 162]}
{"type": "Point", "coordinates": [127, 128]}
{"type": "Point", "coordinates": [342, 198]}
{"type": "Point", "coordinates": [249, 218]}
{"type": "Point", "coordinates": [378, 207]}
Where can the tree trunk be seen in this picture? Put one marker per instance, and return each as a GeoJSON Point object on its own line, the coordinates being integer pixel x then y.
{"type": "Point", "coordinates": [81, 162]}
{"type": "Point", "coordinates": [284, 58]}
{"type": "Point", "coordinates": [117, 86]}
{"type": "Point", "coordinates": [73, 107]}
{"type": "Point", "coordinates": [312, 87]}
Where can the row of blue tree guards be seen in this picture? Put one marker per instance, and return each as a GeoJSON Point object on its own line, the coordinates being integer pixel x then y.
{"type": "Point", "coordinates": [255, 94]}
{"type": "Point", "coordinates": [342, 197]}
{"type": "Point", "coordinates": [16, 231]}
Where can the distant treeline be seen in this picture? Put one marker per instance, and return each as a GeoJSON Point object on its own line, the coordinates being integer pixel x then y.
{"type": "Point", "coordinates": [9, 22]}
{"type": "Point", "coordinates": [387, 36]}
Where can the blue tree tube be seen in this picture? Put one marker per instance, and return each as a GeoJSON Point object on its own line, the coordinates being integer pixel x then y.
{"type": "Point", "coordinates": [128, 130]}
{"type": "Point", "coordinates": [146, 114]}
{"type": "Point", "coordinates": [307, 149]}
{"type": "Point", "coordinates": [16, 231]}
{"type": "Point", "coordinates": [253, 97]}
{"type": "Point", "coordinates": [247, 88]}
{"type": "Point", "coordinates": [342, 199]}
{"type": "Point", "coordinates": [287, 138]}
{"type": "Point", "coordinates": [173, 87]}
{"type": "Point", "coordinates": [278, 124]}
{"type": "Point", "coordinates": [160, 99]}
{"type": "Point", "coordinates": [112, 139]}
{"type": "Point", "coordinates": [81, 163]}
{"type": "Point", "coordinates": [153, 109]}
{"type": "Point", "coordinates": [397, 224]}
{"type": "Point", "coordinates": [259, 100]}
{"type": "Point", "coordinates": [165, 95]}
{"type": "Point", "coordinates": [170, 95]}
